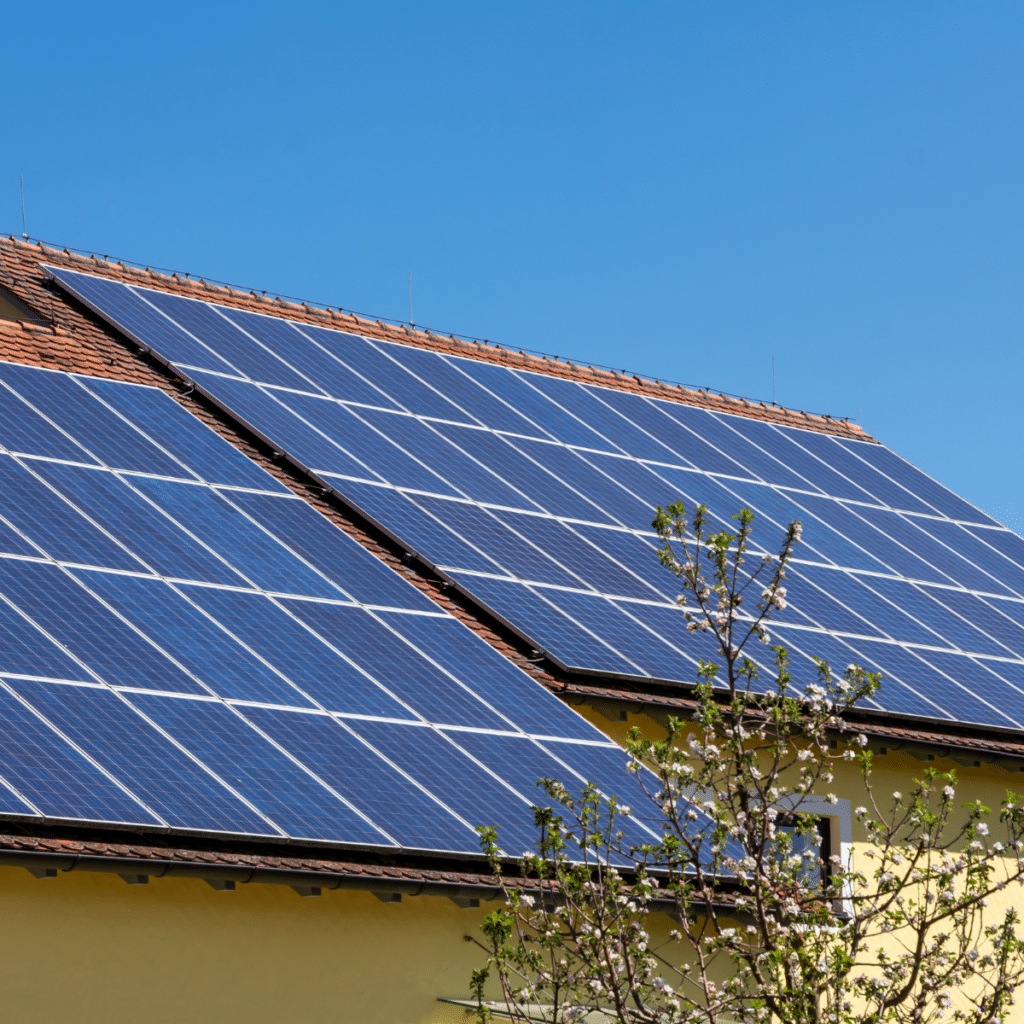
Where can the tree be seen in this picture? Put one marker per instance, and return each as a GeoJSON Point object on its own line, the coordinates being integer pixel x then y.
{"type": "Point", "coordinates": [769, 928]}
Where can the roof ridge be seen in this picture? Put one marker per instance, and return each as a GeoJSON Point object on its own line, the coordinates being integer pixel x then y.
{"type": "Point", "coordinates": [410, 334]}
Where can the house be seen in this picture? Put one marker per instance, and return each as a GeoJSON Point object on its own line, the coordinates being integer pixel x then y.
{"type": "Point", "coordinates": [290, 601]}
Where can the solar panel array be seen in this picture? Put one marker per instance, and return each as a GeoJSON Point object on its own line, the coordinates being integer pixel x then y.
{"type": "Point", "coordinates": [185, 643]}
{"type": "Point", "coordinates": [535, 494]}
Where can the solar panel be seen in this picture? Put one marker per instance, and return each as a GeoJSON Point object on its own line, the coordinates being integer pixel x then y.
{"type": "Point", "coordinates": [184, 643]}
{"type": "Point", "coordinates": [535, 494]}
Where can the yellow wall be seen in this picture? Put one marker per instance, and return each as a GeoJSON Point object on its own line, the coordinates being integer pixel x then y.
{"type": "Point", "coordinates": [89, 948]}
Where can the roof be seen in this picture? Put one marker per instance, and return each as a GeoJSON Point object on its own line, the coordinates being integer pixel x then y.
{"type": "Point", "coordinates": [74, 339]}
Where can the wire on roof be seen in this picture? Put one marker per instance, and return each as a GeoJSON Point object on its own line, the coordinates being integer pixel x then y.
{"type": "Point", "coordinates": [386, 320]}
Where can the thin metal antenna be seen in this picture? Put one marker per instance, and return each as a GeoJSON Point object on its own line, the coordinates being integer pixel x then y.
{"type": "Point", "coordinates": [411, 324]}
{"type": "Point", "coordinates": [24, 230]}
{"type": "Point", "coordinates": [773, 380]}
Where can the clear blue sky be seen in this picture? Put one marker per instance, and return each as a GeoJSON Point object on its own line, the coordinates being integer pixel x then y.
{"type": "Point", "coordinates": [683, 189]}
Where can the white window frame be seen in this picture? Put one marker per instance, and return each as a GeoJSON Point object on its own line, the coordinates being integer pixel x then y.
{"type": "Point", "coordinates": [838, 816]}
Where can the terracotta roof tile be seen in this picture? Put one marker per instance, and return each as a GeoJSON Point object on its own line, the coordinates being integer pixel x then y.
{"type": "Point", "coordinates": [29, 254]}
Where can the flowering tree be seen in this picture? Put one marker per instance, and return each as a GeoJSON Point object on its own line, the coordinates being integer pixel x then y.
{"type": "Point", "coordinates": [770, 925]}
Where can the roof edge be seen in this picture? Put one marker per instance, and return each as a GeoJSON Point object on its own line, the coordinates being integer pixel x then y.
{"type": "Point", "coordinates": [451, 344]}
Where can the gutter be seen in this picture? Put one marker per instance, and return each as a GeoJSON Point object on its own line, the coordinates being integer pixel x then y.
{"type": "Point", "coordinates": [225, 877]}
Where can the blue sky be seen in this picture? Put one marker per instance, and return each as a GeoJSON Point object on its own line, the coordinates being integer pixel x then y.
{"type": "Point", "coordinates": [681, 189]}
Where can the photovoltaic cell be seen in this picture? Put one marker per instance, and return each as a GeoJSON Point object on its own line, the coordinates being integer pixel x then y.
{"type": "Point", "coordinates": [586, 403]}
{"type": "Point", "coordinates": [449, 462]}
{"type": "Point", "coordinates": [647, 650]}
{"type": "Point", "coordinates": [606, 496]}
{"type": "Point", "coordinates": [280, 639]}
{"type": "Point", "coordinates": [848, 521]}
{"type": "Point", "coordinates": [542, 622]}
{"type": "Point", "coordinates": [126, 309]}
{"type": "Point", "coordinates": [818, 540]}
{"type": "Point", "coordinates": [445, 376]}
{"type": "Point", "coordinates": [878, 486]}
{"type": "Point", "coordinates": [471, 792]}
{"type": "Point", "coordinates": [783, 444]}
{"type": "Point", "coordinates": [74, 409]}
{"type": "Point", "coordinates": [655, 418]}
{"type": "Point", "coordinates": [320, 369]}
{"type": "Point", "coordinates": [977, 551]}
{"type": "Point", "coordinates": [203, 321]}
{"type": "Point", "coordinates": [111, 503]}
{"type": "Point", "coordinates": [1006, 701]}
{"type": "Point", "coordinates": [940, 498]}
{"type": "Point", "coordinates": [92, 633]}
{"type": "Point", "coordinates": [58, 530]}
{"type": "Point", "coordinates": [716, 453]}
{"type": "Point", "coordinates": [268, 413]}
{"type": "Point", "coordinates": [12, 542]}
{"type": "Point", "coordinates": [22, 430]}
{"type": "Point", "coordinates": [26, 650]}
{"type": "Point", "coordinates": [372, 363]}
{"type": "Point", "coordinates": [358, 436]}
{"type": "Point", "coordinates": [349, 565]}
{"type": "Point", "coordinates": [56, 777]}
{"type": "Point", "coordinates": [507, 689]}
{"type": "Point", "coordinates": [972, 626]}
{"type": "Point", "coordinates": [718, 429]}
{"type": "Point", "coordinates": [811, 597]}
{"type": "Point", "coordinates": [511, 552]}
{"type": "Point", "coordinates": [586, 561]}
{"type": "Point", "coordinates": [524, 763]}
{"type": "Point", "coordinates": [1000, 619]}
{"type": "Point", "coordinates": [840, 653]}
{"type": "Point", "coordinates": [169, 782]}
{"type": "Point", "coordinates": [510, 460]}
{"type": "Point", "coordinates": [380, 791]}
{"type": "Point", "coordinates": [396, 665]}
{"type": "Point", "coordinates": [668, 622]}
{"type": "Point", "coordinates": [958, 569]}
{"type": "Point", "coordinates": [399, 514]}
{"type": "Point", "coordinates": [226, 530]}
{"type": "Point", "coordinates": [638, 554]}
{"type": "Point", "coordinates": [858, 592]}
{"type": "Point", "coordinates": [172, 427]}
{"type": "Point", "coordinates": [554, 421]}
{"type": "Point", "coordinates": [913, 671]}
{"type": "Point", "coordinates": [193, 639]}
{"type": "Point", "coordinates": [694, 489]}
{"type": "Point", "coordinates": [259, 771]}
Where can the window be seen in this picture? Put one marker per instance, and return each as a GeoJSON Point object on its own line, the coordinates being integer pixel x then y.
{"type": "Point", "coordinates": [12, 308]}
{"type": "Point", "coordinates": [834, 826]}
